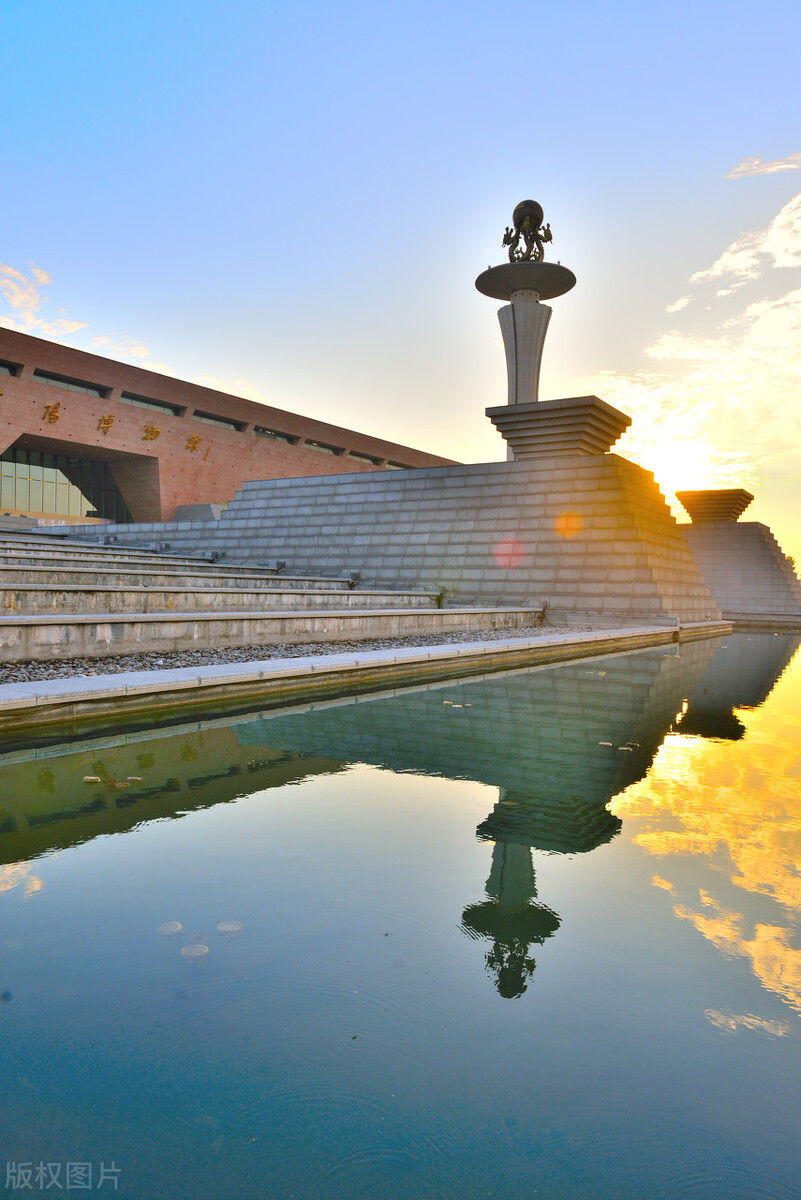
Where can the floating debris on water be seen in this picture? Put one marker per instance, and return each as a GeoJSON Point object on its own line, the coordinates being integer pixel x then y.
{"type": "Point", "coordinates": [169, 928]}
{"type": "Point", "coordinates": [195, 950]}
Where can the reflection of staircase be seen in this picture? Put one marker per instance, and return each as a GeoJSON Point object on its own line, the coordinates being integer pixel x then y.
{"type": "Point", "coordinates": [71, 600]}
{"type": "Point", "coordinates": [66, 795]}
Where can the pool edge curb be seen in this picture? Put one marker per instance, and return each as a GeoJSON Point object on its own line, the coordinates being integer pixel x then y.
{"type": "Point", "coordinates": [33, 710]}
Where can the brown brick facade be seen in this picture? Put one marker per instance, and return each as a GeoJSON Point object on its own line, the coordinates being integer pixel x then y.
{"type": "Point", "coordinates": [160, 460]}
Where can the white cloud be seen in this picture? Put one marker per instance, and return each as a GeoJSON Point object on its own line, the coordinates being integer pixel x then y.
{"type": "Point", "coordinates": [126, 349]}
{"type": "Point", "coordinates": [722, 405]}
{"type": "Point", "coordinates": [779, 245]}
{"type": "Point", "coordinates": [755, 166]}
{"type": "Point", "coordinates": [27, 308]}
{"type": "Point", "coordinates": [679, 304]}
{"type": "Point", "coordinates": [234, 387]}
{"type": "Point", "coordinates": [24, 299]}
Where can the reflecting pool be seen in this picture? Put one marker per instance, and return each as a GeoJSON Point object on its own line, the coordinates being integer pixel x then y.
{"type": "Point", "coordinates": [535, 934]}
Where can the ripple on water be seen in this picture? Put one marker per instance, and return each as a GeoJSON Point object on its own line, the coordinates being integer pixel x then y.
{"type": "Point", "coordinates": [372, 1169]}
{"type": "Point", "coordinates": [726, 1182]}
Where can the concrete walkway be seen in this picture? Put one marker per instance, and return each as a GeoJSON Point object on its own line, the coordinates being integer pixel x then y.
{"type": "Point", "coordinates": [42, 710]}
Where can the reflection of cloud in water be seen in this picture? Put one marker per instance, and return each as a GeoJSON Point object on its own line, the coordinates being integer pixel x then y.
{"type": "Point", "coordinates": [20, 874]}
{"type": "Point", "coordinates": [776, 964]}
{"type": "Point", "coordinates": [731, 1022]}
{"type": "Point", "coordinates": [738, 806]}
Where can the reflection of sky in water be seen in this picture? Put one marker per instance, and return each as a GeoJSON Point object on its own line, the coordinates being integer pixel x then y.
{"type": "Point", "coordinates": [437, 964]}
{"type": "Point", "coordinates": [732, 814]}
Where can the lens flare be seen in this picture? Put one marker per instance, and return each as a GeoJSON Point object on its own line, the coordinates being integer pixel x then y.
{"type": "Point", "coordinates": [568, 524]}
{"type": "Point", "coordinates": [509, 552]}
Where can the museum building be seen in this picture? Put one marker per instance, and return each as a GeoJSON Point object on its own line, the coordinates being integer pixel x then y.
{"type": "Point", "coordinates": [85, 438]}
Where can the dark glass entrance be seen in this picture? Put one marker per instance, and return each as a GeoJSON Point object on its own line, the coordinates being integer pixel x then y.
{"type": "Point", "coordinates": [58, 485]}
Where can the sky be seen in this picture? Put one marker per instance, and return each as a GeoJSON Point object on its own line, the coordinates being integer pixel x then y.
{"type": "Point", "coordinates": [291, 201]}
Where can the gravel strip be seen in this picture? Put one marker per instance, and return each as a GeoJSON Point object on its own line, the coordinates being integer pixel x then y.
{"type": "Point", "coordinates": [29, 672]}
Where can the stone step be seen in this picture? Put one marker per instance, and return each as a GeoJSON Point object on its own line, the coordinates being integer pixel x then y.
{"type": "Point", "coordinates": [77, 550]}
{"type": "Point", "coordinates": [114, 557]}
{"type": "Point", "coordinates": [44, 600]}
{"type": "Point", "coordinates": [56, 638]}
{"type": "Point", "coordinates": [168, 578]}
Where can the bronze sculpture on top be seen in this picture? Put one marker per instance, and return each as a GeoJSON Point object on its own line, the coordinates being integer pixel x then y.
{"type": "Point", "coordinates": [577, 425]}
{"type": "Point", "coordinates": [527, 271]}
{"type": "Point", "coordinates": [527, 224]}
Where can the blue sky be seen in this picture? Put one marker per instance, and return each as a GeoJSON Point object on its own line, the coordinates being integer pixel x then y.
{"type": "Point", "coordinates": [293, 201]}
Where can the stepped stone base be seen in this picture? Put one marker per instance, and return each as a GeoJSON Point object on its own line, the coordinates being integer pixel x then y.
{"type": "Point", "coordinates": [715, 504]}
{"type": "Point", "coordinates": [574, 425]}
{"type": "Point", "coordinates": [590, 535]}
{"type": "Point", "coordinates": [745, 568]}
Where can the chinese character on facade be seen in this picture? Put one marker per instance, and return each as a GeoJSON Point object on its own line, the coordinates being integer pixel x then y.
{"type": "Point", "coordinates": [151, 433]}
{"type": "Point", "coordinates": [193, 441]}
{"type": "Point", "coordinates": [52, 412]}
{"type": "Point", "coordinates": [105, 424]}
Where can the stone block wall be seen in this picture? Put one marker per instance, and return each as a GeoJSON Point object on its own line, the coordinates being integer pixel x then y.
{"type": "Point", "coordinates": [745, 567]}
{"type": "Point", "coordinates": [591, 535]}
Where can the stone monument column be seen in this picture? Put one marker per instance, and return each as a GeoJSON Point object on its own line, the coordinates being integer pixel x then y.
{"type": "Point", "coordinates": [524, 324]}
{"type": "Point", "coordinates": [577, 425]}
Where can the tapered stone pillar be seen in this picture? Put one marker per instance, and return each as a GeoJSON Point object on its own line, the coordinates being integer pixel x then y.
{"type": "Point", "coordinates": [524, 321]}
{"type": "Point", "coordinates": [524, 324]}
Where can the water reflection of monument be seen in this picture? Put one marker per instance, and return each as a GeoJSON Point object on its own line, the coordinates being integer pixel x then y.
{"type": "Point", "coordinates": [742, 674]}
{"type": "Point", "coordinates": [557, 742]}
{"type": "Point", "coordinates": [510, 919]}
{"type": "Point", "coordinates": [509, 916]}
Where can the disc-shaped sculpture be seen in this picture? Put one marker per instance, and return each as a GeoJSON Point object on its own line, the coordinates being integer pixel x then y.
{"type": "Point", "coordinates": [547, 279]}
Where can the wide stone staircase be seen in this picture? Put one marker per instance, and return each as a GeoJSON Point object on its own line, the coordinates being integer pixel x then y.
{"type": "Point", "coordinates": [63, 600]}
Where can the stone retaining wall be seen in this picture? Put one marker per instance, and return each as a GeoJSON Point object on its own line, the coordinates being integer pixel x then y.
{"type": "Point", "coordinates": [590, 535]}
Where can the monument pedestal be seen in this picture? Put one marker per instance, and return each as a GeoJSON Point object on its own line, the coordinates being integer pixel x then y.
{"type": "Point", "coordinates": [747, 571]}
{"type": "Point", "coordinates": [575, 425]}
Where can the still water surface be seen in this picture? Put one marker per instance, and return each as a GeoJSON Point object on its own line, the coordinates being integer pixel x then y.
{"type": "Point", "coordinates": [531, 935]}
